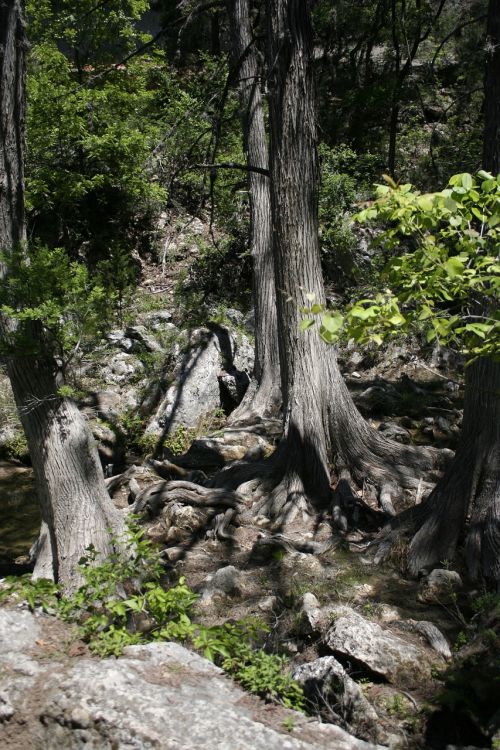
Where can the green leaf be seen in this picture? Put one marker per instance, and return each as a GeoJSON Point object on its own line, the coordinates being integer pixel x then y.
{"type": "Point", "coordinates": [450, 204]}
{"type": "Point", "coordinates": [332, 322]}
{"type": "Point", "coordinates": [306, 323]}
{"type": "Point", "coordinates": [454, 267]}
{"type": "Point", "coordinates": [467, 181]}
{"type": "Point", "coordinates": [397, 319]}
{"type": "Point", "coordinates": [363, 313]}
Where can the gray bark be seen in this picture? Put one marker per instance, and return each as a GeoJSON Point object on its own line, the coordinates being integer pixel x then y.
{"type": "Point", "coordinates": [320, 418]}
{"type": "Point", "coordinates": [491, 142]}
{"type": "Point", "coordinates": [265, 399]}
{"type": "Point", "coordinates": [466, 502]}
{"type": "Point", "coordinates": [76, 508]}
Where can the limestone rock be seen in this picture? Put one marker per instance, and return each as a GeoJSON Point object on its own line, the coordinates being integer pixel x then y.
{"type": "Point", "coordinates": [326, 682]}
{"type": "Point", "coordinates": [142, 340]}
{"type": "Point", "coordinates": [121, 368]}
{"type": "Point", "coordinates": [158, 696]}
{"type": "Point", "coordinates": [227, 580]}
{"type": "Point", "coordinates": [439, 583]}
{"type": "Point", "coordinates": [377, 650]}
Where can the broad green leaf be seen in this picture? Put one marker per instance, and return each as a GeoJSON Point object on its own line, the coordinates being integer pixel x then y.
{"type": "Point", "coordinates": [467, 181]}
{"type": "Point", "coordinates": [363, 313]}
{"type": "Point", "coordinates": [454, 267]}
{"type": "Point", "coordinates": [397, 319]}
{"type": "Point", "coordinates": [332, 322]}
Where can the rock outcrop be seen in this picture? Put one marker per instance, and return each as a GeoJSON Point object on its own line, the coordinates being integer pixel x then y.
{"type": "Point", "coordinates": [155, 696]}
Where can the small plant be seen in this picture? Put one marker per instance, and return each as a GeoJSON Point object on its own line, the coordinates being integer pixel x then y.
{"type": "Point", "coordinates": [16, 446]}
{"type": "Point", "coordinates": [179, 440]}
{"type": "Point", "coordinates": [396, 706]}
{"type": "Point", "coordinates": [36, 593]}
{"type": "Point", "coordinates": [461, 640]}
{"type": "Point", "coordinates": [487, 601]}
{"type": "Point", "coordinates": [289, 723]}
{"type": "Point", "coordinates": [122, 603]}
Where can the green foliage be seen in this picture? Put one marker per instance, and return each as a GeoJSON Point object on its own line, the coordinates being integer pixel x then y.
{"type": "Point", "coordinates": [46, 289]}
{"type": "Point", "coordinates": [90, 130]}
{"type": "Point", "coordinates": [336, 199]}
{"type": "Point", "coordinates": [36, 593]}
{"type": "Point", "coordinates": [445, 282]}
{"type": "Point", "coordinates": [16, 446]}
{"type": "Point", "coordinates": [122, 602]}
{"type": "Point", "coordinates": [259, 672]}
{"type": "Point", "coordinates": [179, 440]}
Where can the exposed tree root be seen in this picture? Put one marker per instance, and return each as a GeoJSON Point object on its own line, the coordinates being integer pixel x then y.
{"type": "Point", "coordinates": [157, 495]}
{"type": "Point", "coordinates": [259, 404]}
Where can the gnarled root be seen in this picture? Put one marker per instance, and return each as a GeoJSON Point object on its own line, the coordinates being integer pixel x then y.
{"type": "Point", "coordinates": [154, 497]}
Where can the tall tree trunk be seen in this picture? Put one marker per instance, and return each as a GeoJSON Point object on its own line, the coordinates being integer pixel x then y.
{"type": "Point", "coordinates": [264, 397]}
{"type": "Point", "coordinates": [304, 358]}
{"type": "Point", "coordinates": [320, 418]}
{"type": "Point", "coordinates": [76, 508]}
{"type": "Point", "coordinates": [467, 499]}
{"type": "Point", "coordinates": [466, 502]}
{"type": "Point", "coordinates": [491, 142]}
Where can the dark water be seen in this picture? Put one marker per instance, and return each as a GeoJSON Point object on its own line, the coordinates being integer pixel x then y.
{"type": "Point", "coordinates": [19, 514]}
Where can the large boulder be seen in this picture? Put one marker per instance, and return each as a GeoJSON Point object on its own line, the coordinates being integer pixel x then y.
{"type": "Point", "coordinates": [195, 390]}
{"type": "Point", "coordinates": [158, 696]}
{"type": "Point", "coordinates": [379, 651]}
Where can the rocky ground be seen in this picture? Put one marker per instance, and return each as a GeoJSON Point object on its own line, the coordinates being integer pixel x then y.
{"type": "Point", "coordinates": [405, 664]}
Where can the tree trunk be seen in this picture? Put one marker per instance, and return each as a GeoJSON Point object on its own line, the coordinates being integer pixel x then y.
{"type": "Point", "coordinates": [304, 358]}
{"type": "Point", "coordinates": [467, 499]}
{"type": "Point", "coordinates": [264, 397]}
{"type": "Point", "coordinates": [466, 502]}
{"type": "Point", "coordinates": [320, 418]}
{"type": "Point", "coordinates": [491, 143]}
{"type": "Point", "coordinates": [76, 508]}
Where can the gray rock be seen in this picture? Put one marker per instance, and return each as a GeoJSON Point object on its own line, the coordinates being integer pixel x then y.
{"type": "Point", "coordinates": [157, 319]}
{"type": "Point", "coordinates": [235, 385]}
{"type": "Point", "coordinates": [249, 322]}
{"type": "Point", "coordinates": [326, 682]}
{"type": "Point", "coordinates": [380, 651]}
{"type": "Point", "coordinates": [121, 368]}
{"type": "Point", "coordinates": [440, 582]}
{"type": "Point", "coordinates": [236, 317]}
{"type": "Point", "coordinates": [226, 581]}
{"type": "Point", "coordinates": [158, 696]}
{"type": "Point", "coordinates": [195, 390]}
{"type": "Point", "coordinates": [142, 340]}
{"type": "Point", "coordinates": [120, 339]}
{"type": "Point", "coordinates": [377, 398]}
{"type": "Point", "coordinates": [6, 708]}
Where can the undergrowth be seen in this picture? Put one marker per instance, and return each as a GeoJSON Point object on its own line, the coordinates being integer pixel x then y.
{"type": "Point", "coordinates": [122, 602]}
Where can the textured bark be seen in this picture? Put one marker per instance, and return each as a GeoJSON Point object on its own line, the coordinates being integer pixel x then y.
{"type": "Point", "coordinates": [467, 500]}
{"type": "Point", "coordinates": [320, 418]}
{"type": "Point", "coordinates": [491, 144]}
{"type": "Point", "coordinates": [265, 398]}
{"type": "Point", "coordinates": [76, 508]}
{"type": "Point", "coordinates": [304, 359]}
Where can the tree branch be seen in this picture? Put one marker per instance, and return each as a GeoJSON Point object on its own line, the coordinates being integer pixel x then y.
{"type": "Point", "coordinates": [233, 165]}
